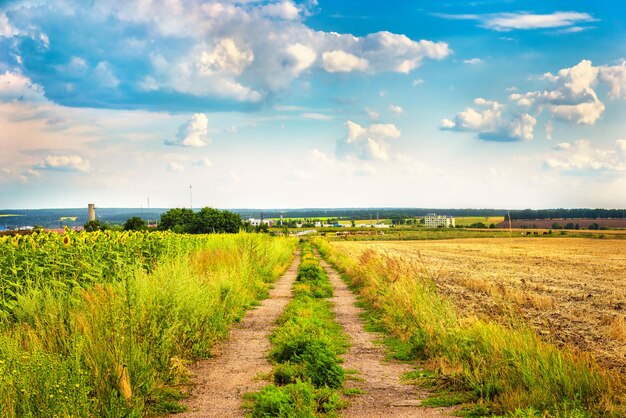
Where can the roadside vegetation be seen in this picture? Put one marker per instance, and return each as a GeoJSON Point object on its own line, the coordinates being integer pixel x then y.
{"type": "Point", "coordinates": [106, 323]}
{"type": "Point", "coordinates": [498, 368]}
{"type": "Point", "coordinates": [306, 345]}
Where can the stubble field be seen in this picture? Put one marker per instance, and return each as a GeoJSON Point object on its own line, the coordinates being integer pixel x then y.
{"type": "Point", "coordinates": [572, 291]}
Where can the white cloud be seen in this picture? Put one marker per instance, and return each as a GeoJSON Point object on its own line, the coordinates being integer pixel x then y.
{"type": "Point", "coordinates": [473, 61]}
{"type": "Point", "coordinates": [65, 163]}
{"type": "Point", "coordinates": [240, 52]}
{"type": "Point", "coordinates": [573, 97]}
{"type": "Point", "coordinates": [504, 22]}
{"type": "Point", "coordinates": [303, 55]}
{"type": "Point", "coordinates": [175, 167]}
{"type": "Point", "coordinates": [615, 78]}
{"type": "Point", "coordinates": [549, 130]}
{"type": "Point", "coordinates": [6, 30]}
{"type": "Point", "coordinates": [370, 143]}
{"type": "Point", "coordinates": [417, 82]}
{"type": "Point", "coordinates": [563, 146]}
{"type": "Point", "coordinates": [316, 116]}
{"type": "Point", "coordinates": [490, 123]}
{"type": "Point", "coordinates": [105, 75]}
{"type": "Point", "coordinates": [285, 10]}
{"type": "Point", "coordinates": [582, 158]}
{"type": "Point", "coordinates": [17, 87]}
{"type": "Point", "coordinates": [509, 21]}
{"type": "Point", "coordinates": [225, 59]}
{"type": "Point", "coordinates": [396, 109]}
{"type": "Point", "coordinates": [203, 162]}
{"type": "Point", "coordinates": [193, 133]}
{"type": "Point", "coordinates": [371, 113]}
{"type": "Point", "coordinates": [343, 62]}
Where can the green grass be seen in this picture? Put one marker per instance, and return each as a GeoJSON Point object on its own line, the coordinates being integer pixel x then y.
{"type": "Point", "coordinates": [121, 345]}
{"type": "Point", "coordinates": [306, 347]}
{"type": "Point", "coordinates": [506, 368]}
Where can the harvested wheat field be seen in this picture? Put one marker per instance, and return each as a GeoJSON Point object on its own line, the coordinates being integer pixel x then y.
{"type": "Point", "coordinates": [572, 291]}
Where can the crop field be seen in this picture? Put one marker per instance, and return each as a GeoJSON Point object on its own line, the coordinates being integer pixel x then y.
{"type": "Point", "coordinates": [469, 220]}
{"type": "Point", "coordinates": [520, 323]}
{"type": "Point", "coordinates": [106, 323]}
{"type": "Point", "coordinates": [571, 290]}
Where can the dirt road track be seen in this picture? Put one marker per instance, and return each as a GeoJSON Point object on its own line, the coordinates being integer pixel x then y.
{"type": "Point", "coordinates": [221, 381]}
{"type": "Point", "coordinates": [385, 395]}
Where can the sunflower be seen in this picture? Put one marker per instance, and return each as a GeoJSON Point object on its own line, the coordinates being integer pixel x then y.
{"type": "Point", "coordinates": [66, 240]}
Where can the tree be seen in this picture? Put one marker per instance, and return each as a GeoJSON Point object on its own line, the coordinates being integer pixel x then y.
{"type": "Point", "coordinates": [178, 220]}
{"type": "Point", "coordinates": [95, 225]}
{"type": "Point", "coordinates": [210, 220]}
{"type": "Point", "coordinates": [135, 224]}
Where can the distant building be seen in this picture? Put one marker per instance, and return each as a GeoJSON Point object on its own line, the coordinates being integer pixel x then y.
{"type": "Point", "coordinates": [435, 221]}
{"type": "Point", "coordinates": [258, 222]}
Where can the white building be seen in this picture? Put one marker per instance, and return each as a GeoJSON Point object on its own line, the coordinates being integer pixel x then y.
{"type": "Point", "coordinates": [257, 222]}
{"type": "Point", "coordinates": [435, 221]}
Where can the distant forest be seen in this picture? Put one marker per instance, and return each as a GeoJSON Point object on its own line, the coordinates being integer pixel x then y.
{"type": "Point", "coordinates": [568, 214]}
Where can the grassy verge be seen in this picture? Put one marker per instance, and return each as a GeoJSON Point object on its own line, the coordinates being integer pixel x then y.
{"type": "Point", "coordinates": [120, 345]}
{"type": "Point", "coordinates": [305, 350]}
{"type": "Point", "coordinates": [505, 369]}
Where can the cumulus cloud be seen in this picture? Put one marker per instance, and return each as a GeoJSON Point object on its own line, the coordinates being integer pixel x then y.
{"type": "Point", "coordinates": [504, 22]}
{"type": "Point", "coordinates": [343, 62]}
{"type": "Point", "coordinates": [223, 53]}
{"type": "Point", "coordinates": [193, 133]}
{"type": "Point", "coordinates": [285, 10]}
{"type": "Point", "coordinates": [573, 97]}
{"type": "Point", "coordinates": [65, 163]}
{"type": "Point", "coordinates": [396, 109]}
{"type": "Point", "coordinates": [490, 122]}
{"type": "Point", "coordinates": [17, 87]}
{"type": "Point", "coordinates": [226, 58]}
{"type": "Point", "coordinates": [615, 78]}
{"type": "Point", "coordinates": [367, 143]}
{"type": "Point", "coordinates": [582, 158]}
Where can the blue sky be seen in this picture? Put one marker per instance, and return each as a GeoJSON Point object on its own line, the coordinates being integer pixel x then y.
{"type": "Point", "coordinates": [508, 104]}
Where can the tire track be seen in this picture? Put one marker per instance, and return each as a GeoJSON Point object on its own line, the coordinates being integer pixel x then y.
{"type": "Point", "coordinates": [385, 395]}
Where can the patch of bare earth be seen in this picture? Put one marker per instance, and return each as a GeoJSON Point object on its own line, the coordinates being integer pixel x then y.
{"type": "Point", "coordinates": [384, 393]}
{"type": "Point", "coordinates": [220, 382]}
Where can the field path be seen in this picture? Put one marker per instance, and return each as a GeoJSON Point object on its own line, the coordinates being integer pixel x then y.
{"type": "Point", "coordinates": [385, 395]}
{"type": "Point", "coordinates": [221, 381]}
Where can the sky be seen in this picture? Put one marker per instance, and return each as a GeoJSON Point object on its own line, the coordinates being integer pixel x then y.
{"type": "Point", "coordinates": [313, 103]}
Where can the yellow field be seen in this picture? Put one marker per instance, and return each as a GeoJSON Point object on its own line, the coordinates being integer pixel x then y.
{"type": "Point", "coordinates": [572, 291]}
{"type": "Point", "coordinates": [487, 220]}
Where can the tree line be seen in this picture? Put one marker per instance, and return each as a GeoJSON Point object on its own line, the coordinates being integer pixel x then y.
{"type": "Point", "coordinates": [181, 220]}
{"type": "Point", "coordinates": [567, 214]}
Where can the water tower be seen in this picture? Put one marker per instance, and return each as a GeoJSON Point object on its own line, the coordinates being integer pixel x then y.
{"type": "Point", "coordinates": [91, 214]}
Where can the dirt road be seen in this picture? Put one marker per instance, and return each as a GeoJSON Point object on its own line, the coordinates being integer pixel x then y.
{"type": "Point", "coordinates": [221, 381]}
{"type": "Point", "coordinates": [385, 395]}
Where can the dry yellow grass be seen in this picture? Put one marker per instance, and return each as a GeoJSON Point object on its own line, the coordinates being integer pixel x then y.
{"type": "Point", "coordinates": [571, 290]}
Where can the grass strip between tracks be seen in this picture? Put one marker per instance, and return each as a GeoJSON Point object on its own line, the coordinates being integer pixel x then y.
{"type": "Point", "coordinates": [306, 345]}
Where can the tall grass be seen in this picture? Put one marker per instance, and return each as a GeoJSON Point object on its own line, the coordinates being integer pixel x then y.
{"type": "Point", "coordinates": [120, 345]}
{"type": "Point", "coordinates": [506, 367]}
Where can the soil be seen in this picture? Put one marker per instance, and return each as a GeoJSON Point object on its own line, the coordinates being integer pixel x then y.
{"type": "Point", "coordinates": [240, 361]}
{"type": "Point", "coordinates": [384, 393]}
